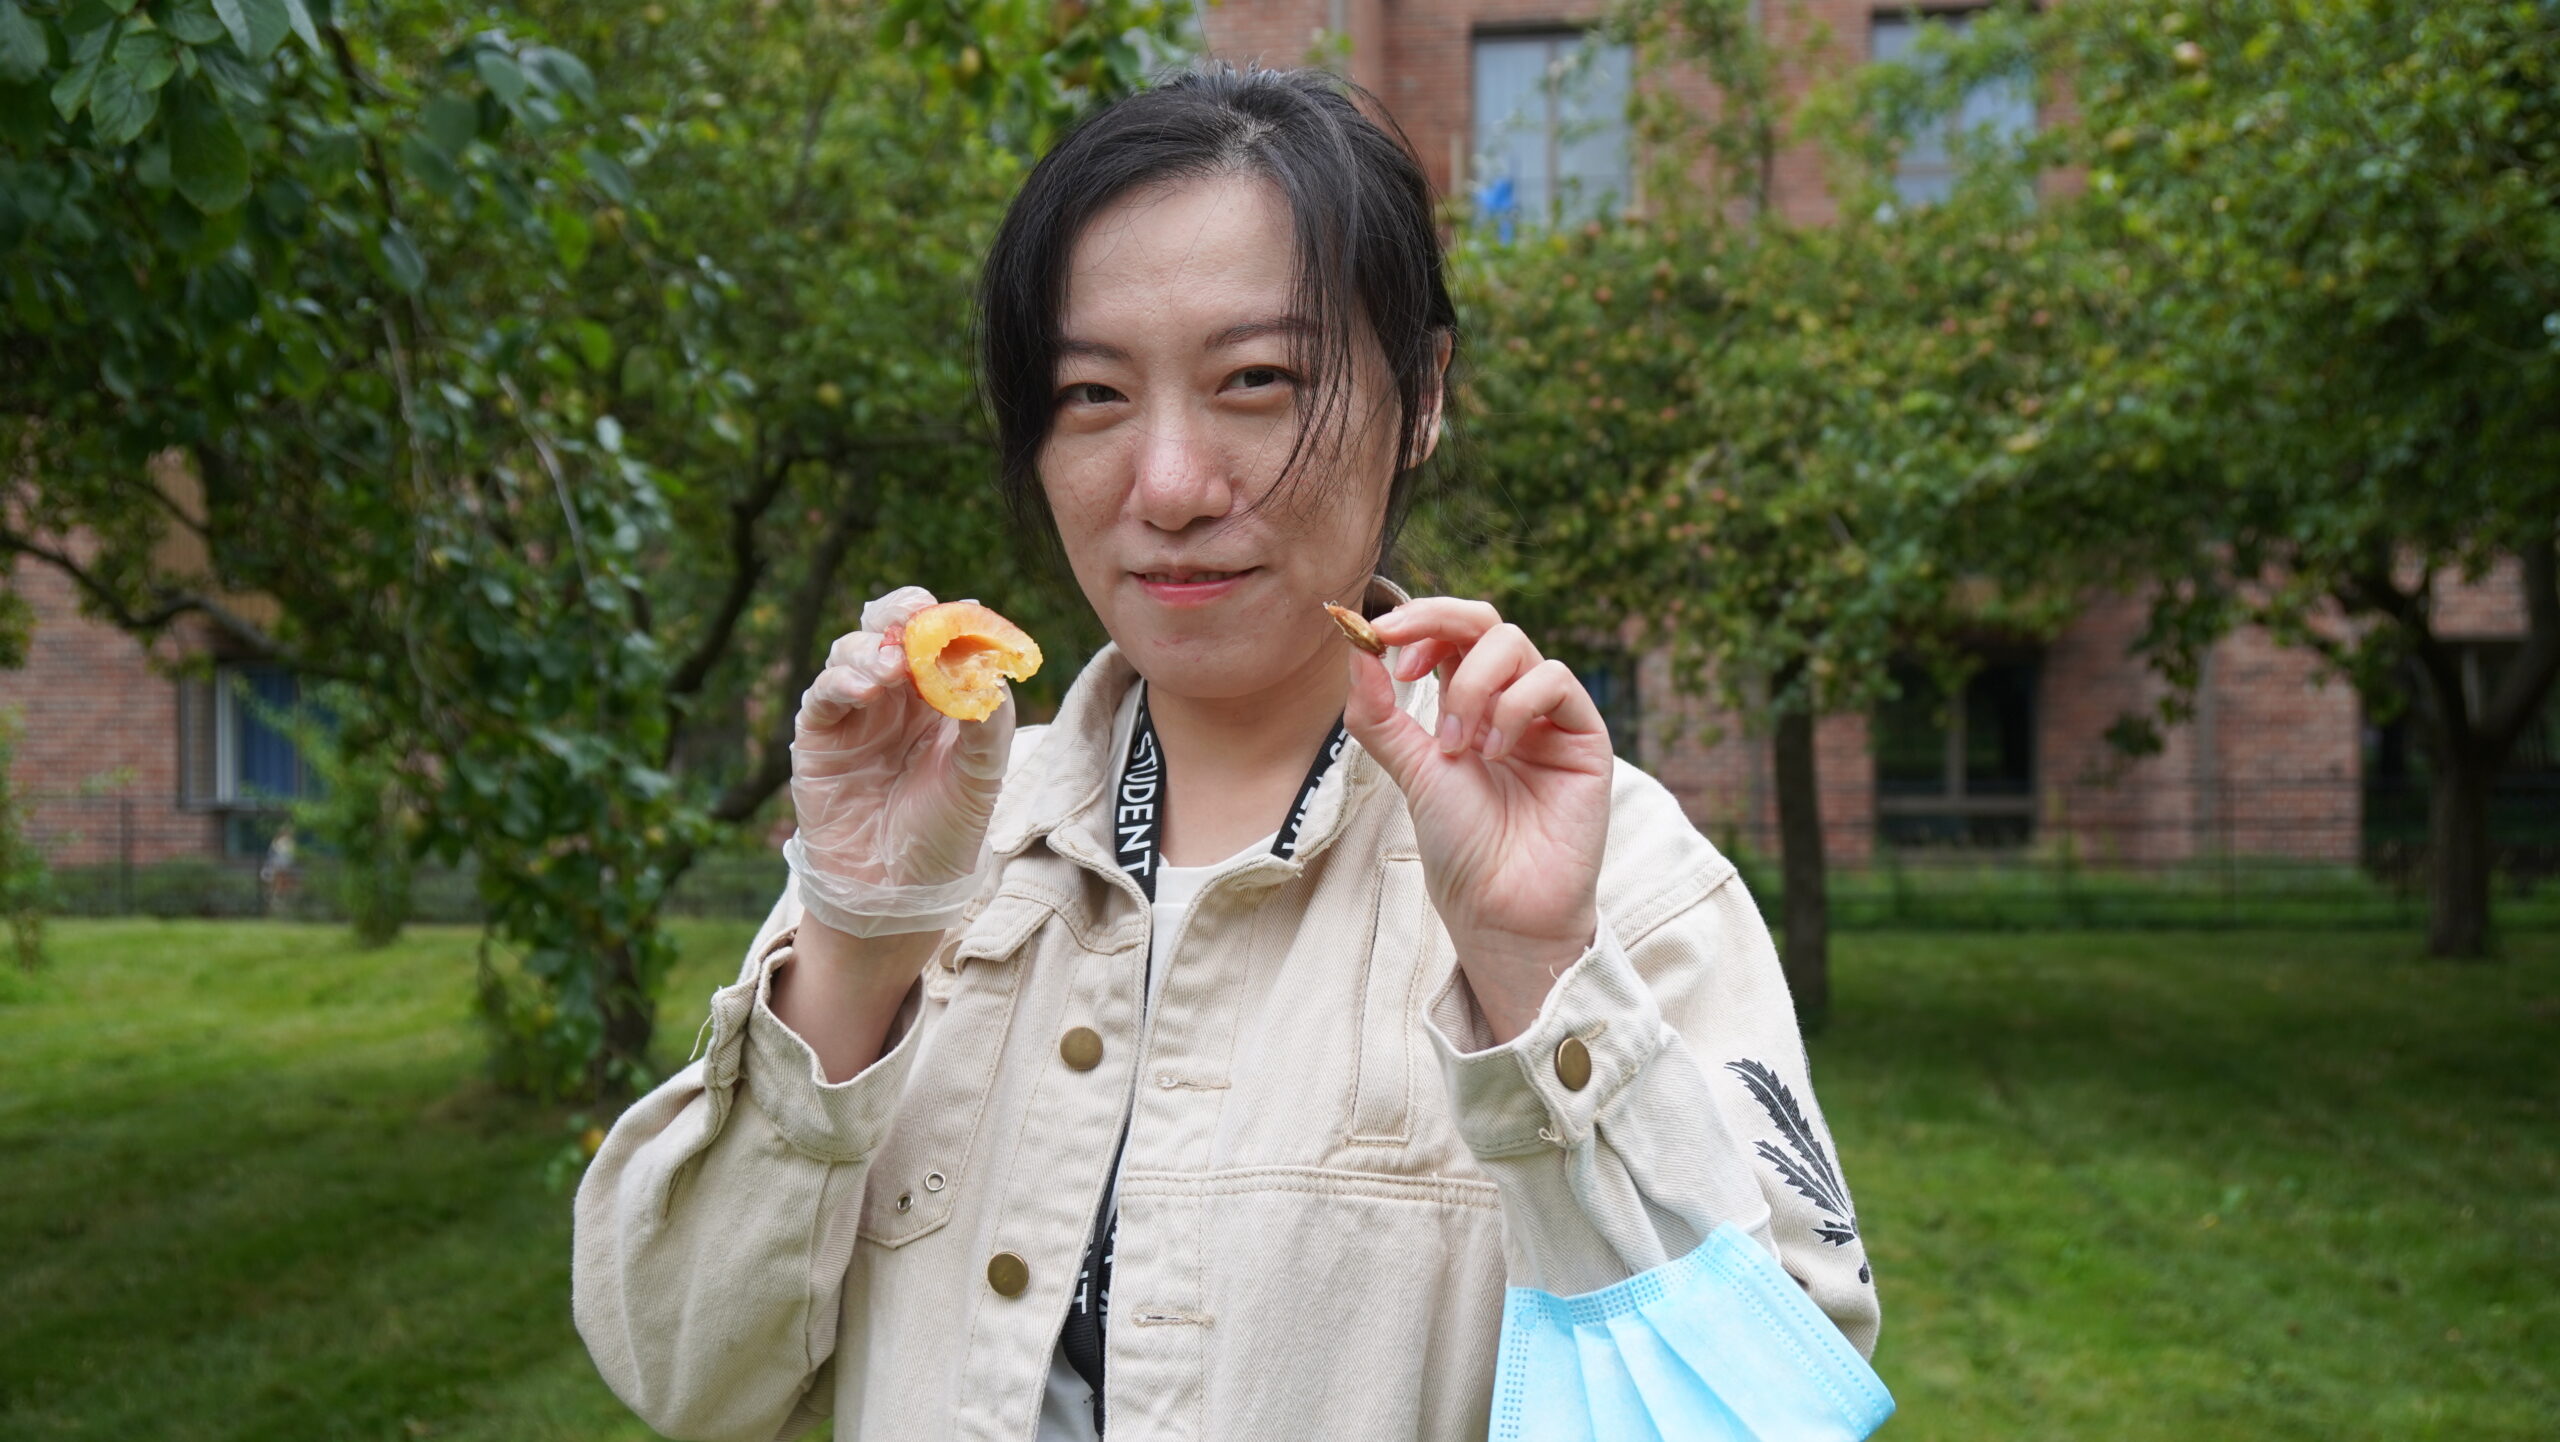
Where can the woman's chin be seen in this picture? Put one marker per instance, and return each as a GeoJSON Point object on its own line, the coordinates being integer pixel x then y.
{"type": "Point", "coordinates": [1213, 667]}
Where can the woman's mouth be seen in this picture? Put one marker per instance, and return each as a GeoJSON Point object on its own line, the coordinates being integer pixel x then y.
{"type": "Point", "coordinates": [1183, 586]}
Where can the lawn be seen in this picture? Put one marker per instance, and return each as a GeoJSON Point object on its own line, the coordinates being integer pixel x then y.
{"type": "Point", "coordinates": [2133, 1186]}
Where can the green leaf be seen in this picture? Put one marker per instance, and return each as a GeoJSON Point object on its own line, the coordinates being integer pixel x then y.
{"type": "Point", "coordinates": [88, 56]}
{"type": "Point", "coordinates": [402, 265]}
{"type": "Point", "coordinates": [23, 50]}
{"type": "Point", "coordinates": [149, 56]}
{"type": "Point", "coordinates": [595, 347]}
{"type": "Point", "coordinates": [560, 70]}
{"type": "Point", "coordinates": [234, 76]}
{"type": "Point", "coordinates": [609, 176]}
{"type": "Point", "coordinates": [206, 156]}
{"type": "Point", "coordinates": [256, 26]}
{"type": "Point", "coordinates": [502, 75]}
{"type": "Point", "coordinates": [193, 21]}
{"type": "Point", "coordinates": [450, 122]}
{"type": "Point", "coordinates": [298, 14]}
{"type": "Point", "coordinates": [571, 237]}
{"type": "Point", "coordinates": [127, 93]}
{"type": "Point", "coordinates": [432, 169]}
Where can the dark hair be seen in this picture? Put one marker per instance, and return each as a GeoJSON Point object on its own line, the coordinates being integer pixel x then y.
{"type": "Point", "coordinates": [1368, 251]}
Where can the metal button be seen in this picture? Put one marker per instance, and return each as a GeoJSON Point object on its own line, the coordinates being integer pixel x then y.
{"type": "Point", "coordinates": [933, 1181]}
{"type": "Point", "coordinates": [1008, 1274]}
{"type": "Point", "coordinates": [1081, 1048]}
{"type": "Point", "coordinates": [1573, 1064]}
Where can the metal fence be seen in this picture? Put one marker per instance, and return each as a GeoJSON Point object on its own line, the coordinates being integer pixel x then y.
{"type": "Point", "coordinates": [116, 856]}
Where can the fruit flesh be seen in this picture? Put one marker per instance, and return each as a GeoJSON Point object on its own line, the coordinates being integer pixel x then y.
{"type": "Point", "coordinates": [957, 651]}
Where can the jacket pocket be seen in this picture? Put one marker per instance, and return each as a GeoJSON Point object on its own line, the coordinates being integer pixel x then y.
{"type": "Point", "coordinates": [1400, 930]}
{"type": "Point", "coordinates": [918, 1172]}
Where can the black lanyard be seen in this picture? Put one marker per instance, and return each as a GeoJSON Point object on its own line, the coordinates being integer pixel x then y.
{"type": "Point", "coordinates": [1137, 828]}
{"type": "Point", "coordinates": [1137, 812]}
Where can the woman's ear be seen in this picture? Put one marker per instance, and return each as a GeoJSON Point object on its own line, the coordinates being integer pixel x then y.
{"type": "Point", "coordinates": [1427, 435]}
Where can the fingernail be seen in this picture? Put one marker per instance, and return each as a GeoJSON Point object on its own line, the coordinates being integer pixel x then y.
{"type": "Point", "coordinates": [1450, 735]}
{"type": "Point", "coordinates": [1492, 742]}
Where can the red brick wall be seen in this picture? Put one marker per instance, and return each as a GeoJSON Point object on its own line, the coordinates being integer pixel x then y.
{"type": "Point", "coordinates": [2269, 765]}
{"type": "Point", "coordinates": [97, 720]}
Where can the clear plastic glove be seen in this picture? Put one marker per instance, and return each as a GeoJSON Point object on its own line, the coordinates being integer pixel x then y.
{"type": "Point", "coordinates": [893, 796]}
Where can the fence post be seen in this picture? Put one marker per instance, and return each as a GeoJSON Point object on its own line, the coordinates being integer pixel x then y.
{"type": "Point", "coordinates": [2230, 875]}
{"type": "Point", "coordinates": [124, 855]}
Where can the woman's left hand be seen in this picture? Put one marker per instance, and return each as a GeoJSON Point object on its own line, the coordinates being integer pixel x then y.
{"type": "Point", "coordinates": [1510, 800]}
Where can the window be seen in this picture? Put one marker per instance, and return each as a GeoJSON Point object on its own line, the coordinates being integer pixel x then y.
{"type": "Point", "coordinates": [1926, 170]}
{"type": "Point", "coordinates": [236, 748]}
{"type": "Point", "coordinates": [1958, 775]}
{"type": "Point", "coordinates": [1550, 127]}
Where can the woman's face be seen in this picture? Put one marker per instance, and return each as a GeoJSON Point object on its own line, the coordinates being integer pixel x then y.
{"type": "Point", "coordinates": [1177, 403]}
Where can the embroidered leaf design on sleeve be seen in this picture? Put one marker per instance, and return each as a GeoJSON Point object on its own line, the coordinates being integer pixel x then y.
{"type": "Point", "coordinates": [1808, 1169]}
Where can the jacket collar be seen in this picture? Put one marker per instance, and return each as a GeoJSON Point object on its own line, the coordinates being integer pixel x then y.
{"type": "Point", "coordinates": [1069, 776]}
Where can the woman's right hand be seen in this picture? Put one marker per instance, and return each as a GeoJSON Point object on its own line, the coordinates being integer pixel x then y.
{"type": "Point", "coordinates": [893, 797]}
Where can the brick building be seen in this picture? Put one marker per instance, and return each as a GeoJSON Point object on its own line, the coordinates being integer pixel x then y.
{"type": "Point", "coordinates": [126, 762]}
{"type": "Point", "coordinates": [1511, 112]}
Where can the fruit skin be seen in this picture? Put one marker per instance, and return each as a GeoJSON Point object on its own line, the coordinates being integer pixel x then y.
{"type": "Point", "coordinates": [955, 652]}
{"type": "Point", "coordinates": [1356, 629]}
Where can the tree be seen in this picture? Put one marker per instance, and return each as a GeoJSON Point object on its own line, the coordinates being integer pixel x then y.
{"type": "Point", "coordinates": [372, 323]}
{"type": "Point", "coordinates": [1783, 453]}
{"type": "Point", "coordinates": [2339, 381]}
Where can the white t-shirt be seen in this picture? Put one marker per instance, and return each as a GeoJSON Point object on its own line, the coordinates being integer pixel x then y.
{"type": "Point", "coordinates": [1066, 1413]}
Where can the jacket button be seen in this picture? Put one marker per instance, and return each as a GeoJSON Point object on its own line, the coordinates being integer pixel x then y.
{"type": "Point", "coordinates": [1081, 1048]}
{"type": "Point", "coordinates": [1573, 1064]}
{"type": "Point", "coordinates": [1008, 1274]}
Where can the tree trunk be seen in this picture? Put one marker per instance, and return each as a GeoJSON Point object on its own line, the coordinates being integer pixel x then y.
{"type": "Point", "coordinates": [1807, 954]}
{"type": "Point", "coordinates": [2458, 860]}
{"type": "Point", "coordinates": [630, 1015]}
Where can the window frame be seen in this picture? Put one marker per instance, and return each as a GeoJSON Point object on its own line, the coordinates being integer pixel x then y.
{"type": "Point", "coordinates": [1956, 16]}
{"type": "Point", "coordinates": [209, 734]}
{"type": "Point", "coordinates": [1562, 39]}
{"type": "Point", "coordinates": [1957, 801]}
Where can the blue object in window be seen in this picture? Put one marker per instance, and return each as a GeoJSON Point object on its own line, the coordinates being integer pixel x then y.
{"type": "Point", "coordinates": [1499, 200]}
{"type": "Point", "coordinates": [267, 766]}
{"type": "Point", "coordinates": [1719, 1346]}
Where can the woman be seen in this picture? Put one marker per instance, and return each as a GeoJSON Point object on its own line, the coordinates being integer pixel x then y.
{"type": "Point", "coordinates": [1201, 1064]}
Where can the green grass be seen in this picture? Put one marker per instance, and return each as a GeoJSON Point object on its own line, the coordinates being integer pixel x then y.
{"type": "Point", "coordinates": [2116, 1185]}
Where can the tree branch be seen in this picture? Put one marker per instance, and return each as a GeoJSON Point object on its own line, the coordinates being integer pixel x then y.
{"type": "Point", "coordinates": [168, 604]}
{"type": "Point", "coordinates": [746, 568]}
{"type": "Point", "coordinates": [799, 647]}
{"type": "Point", "coordinates": [2529, 676]}
{"type": "Point", "coordinates": [2373, 590]}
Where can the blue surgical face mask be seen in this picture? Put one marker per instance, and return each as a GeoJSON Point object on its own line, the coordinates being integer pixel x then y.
{"type": "Point", "coordinates": [1719, 1346]}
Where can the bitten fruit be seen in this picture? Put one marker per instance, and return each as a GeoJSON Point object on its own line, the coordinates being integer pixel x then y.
{"type": "Point", "coordinates": [957, 650]}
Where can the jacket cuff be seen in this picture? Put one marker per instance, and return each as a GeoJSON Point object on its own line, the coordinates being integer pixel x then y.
{"type": "Point", "coordinates": [831, 1121]}
{"type": "Point", "coordinates": [1535, 1092]}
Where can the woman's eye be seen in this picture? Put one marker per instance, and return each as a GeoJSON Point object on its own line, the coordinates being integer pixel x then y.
{"type": "Point", "coordinates": [1259, 377]}
{"type": "Point", "coordinates": [1087, 393]}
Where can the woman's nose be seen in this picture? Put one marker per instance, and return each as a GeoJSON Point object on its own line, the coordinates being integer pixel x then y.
{"type": "Point", "coordinates": [1182, 475]}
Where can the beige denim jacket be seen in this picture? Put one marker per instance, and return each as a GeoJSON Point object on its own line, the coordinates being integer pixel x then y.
{"type": "Point", "coordinates": [1330, 1174]}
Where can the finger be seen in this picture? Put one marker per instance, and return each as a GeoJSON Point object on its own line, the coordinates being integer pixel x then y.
{"type": "Point", "coordinates": [1380, 726]}
{"type": "Point", "coordinates": [895, 609]}
{"type": "Point", "coordinates": [1423, 656]}
{"type": "Point", "coordinates": [1502, 656]}
{"type": "Point", "coordinates": [838, 692]}
{"type": "Point", "coordinates": [1449, 618]}
{"type": "Point", "coordinates": [870, 653]}
{"type": "Point", "coordinates": [982, 747]}
{"type": "Point", "coordinates": [1549, 692]}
